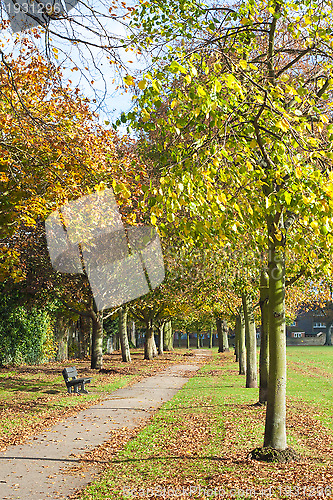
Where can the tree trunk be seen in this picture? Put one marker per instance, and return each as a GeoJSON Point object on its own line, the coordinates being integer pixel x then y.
{"type": "Point", "coordinates": [275, 427]}
{"type": "Point", "coordinates": [155, 352]}
{"type": "Point", "coordinates": [237, 331]}
{"type": "Point", "coordinates": [219, 333]}
{"type": "Point", "coordinates": [125, 350]}
{"type": "Point", "coordinates": [241, 344]}
{"type": "Point", "coordinates": [109, 345]}
{"type": "Point", "coordinates": [264, 348]}
{"type": "Point", "coordinates": [211, 337]}
{"type": "Point", "coordinates": [160, 338]}
{"type": "Point", "coordinates": [251, 342]}
{"type": "Point", "coordinates": [84, 336]}
{"type": "Point", "coordinates": [222, 333]}
{"type": "Point", "coordinates": [149, 341]}
{"type": "Point", "coordinates": [168, 336]}
{"type": "Point", "coordinates": [225, 340]}
{"type": "Point", "coordinates": [328, 340]}
{"type": "Point", "coordinates": [188, 339]}
{"type": "Point", "coordinates": [133, 333]}
{"type": "Point", "coordinates": [61, 336]}
{"type": "Point", "coordinates": [96, 342]}
{"type": "Point", "coordinates": [198, 340]}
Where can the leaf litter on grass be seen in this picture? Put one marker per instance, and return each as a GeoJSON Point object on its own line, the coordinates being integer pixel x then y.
{"type": "Point", "coordinates": [197, 448]}
{"type": "Point", "coordinates": [34, 398]}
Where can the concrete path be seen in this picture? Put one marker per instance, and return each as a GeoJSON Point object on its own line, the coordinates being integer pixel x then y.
{"type": "Point", "coordinates": [33, 470]}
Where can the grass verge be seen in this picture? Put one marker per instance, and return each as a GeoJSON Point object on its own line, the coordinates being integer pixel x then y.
{"type": "Point", "coordinates": [33, 398]}
{"type": "Point", "coordinates": [197, 444]}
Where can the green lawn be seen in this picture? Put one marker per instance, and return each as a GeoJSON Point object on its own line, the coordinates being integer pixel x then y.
{"type": "Point", "coordinates": [201, 437]}
{"type": "Point", "coordinates": [35, 397]}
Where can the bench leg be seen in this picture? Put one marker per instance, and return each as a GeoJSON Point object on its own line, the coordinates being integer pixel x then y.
{"type": "Point", "coordinates": [83, 390]}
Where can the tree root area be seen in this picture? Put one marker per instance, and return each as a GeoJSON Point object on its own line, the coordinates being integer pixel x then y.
{"type": "Point", "coordinates": [271, 455]}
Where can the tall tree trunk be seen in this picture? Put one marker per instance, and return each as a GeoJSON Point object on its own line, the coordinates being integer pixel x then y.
{"type": "Point", "coordinates": [211, 336]}
{"type": "Point", "coordinates": [275, 427]}
{"type": "Point", "coordinates": [109, 345]}
{"type": "Point", "coordinates": [225, 336]}
{"type": "Point", "coordinates": [237, 331]}
{"type": "Point", "coordinates": [96, 341]}
{"type": "Point", "coordinates": [133, 333]}
{"type": "Point", "coordinates": [168, 336]}
{"type": "Point", "coordinates": [149, 340]}
{"type": "Point", "coordinates": [222, 333]}
{"type": "Point", "coordinates": [328, 340]}
{"type": "Point", "coordinates": [198, 339]}
{"type": "Point", "coordinates": [187, 339]}
{"type": "Point", "coordinates": [219, 333]}
{"type": "Point", "coordinates": [241, 344]}
{"type": "Point", "coordinates": [84, 336]}
{"type": "Point", "coordinates": [160, 337]}
{"type": "Point", "coordinates": [251, 342]}
{"type": "Point", "coordinates": [125, 350]}
{"type": "Point", "coordinates": [264, 348]}
{"type": "Point", "coordinates": [155, 351]}
{"type": "Point", "coordinates": [61, 336]}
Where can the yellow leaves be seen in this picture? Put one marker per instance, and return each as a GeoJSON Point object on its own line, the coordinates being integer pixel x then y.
{"type": "Point", "coordinates": [129, 80]}
{"type": "Point", "coordinates": [283, 125]}
{"type": "Point", "coordinates": [243, 64]}
{"type": "Point", "coordinates": [201, 91]}
{"type": "Point", "coordinates": [298, 172]}
{"type": "Point", "coordinates": [153, 219]}
{"type": "Point", "coordinates": [324, 118]}
{"type": "Point", "coordinates": [3, 177]}
{"type": "Point", "coordinates": [328, 188]}
{"type": "Point", "coordinates": [145, 115]}
{"type": "Point", "coordinates": [100, 187]}
{"type": "Point", "coordinates": [121, 188]}
{"type": "Point", "coordinates": [142, 84]}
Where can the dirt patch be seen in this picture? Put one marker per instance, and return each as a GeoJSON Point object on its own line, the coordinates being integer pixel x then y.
{"type": "Point", "coordinates": [271, 455]}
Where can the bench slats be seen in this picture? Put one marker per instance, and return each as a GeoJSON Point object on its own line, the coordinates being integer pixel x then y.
{"type": "Point", "coordinates": [73, 384]}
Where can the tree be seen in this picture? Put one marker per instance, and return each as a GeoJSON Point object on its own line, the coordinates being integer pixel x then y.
{"type": "Point", "coordinates": [240, 120]}
{"type": "Point", "coordinates": [125, 350]}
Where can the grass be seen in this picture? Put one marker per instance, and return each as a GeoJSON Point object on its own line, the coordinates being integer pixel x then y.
{"type": "Point", "coordinates": [35, 397]}
{"type": "Point", "coordinates": [199, 441]}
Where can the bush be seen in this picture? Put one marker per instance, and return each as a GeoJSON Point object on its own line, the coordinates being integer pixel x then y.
{"type": "Point", "coordinates": [26, 335]}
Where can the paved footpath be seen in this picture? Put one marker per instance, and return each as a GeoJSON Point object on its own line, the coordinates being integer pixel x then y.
{"type": "Point", "coordinates": [32, 471]}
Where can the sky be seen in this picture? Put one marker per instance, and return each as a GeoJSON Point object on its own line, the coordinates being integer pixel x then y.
{"type": "Point", "coordinates": [91, 62]}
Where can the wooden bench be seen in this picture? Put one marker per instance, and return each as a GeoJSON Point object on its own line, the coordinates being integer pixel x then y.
{"type": "Point", "coordinates": [73, 384]}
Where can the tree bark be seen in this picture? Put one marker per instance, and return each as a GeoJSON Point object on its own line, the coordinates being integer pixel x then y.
{"type": "Point", "coordinates": [241, 344]}
{"type": "Point", "coordinates": [155, 351]}
{"type": "Point", "coordinates": [61, 336]}
{"type": "Point", "coordinates": [264, 347]}
{"type": "Point", "coordinates": [188, 339]}
{"type": "Point", "coordinates": [225, 341]}
{"type": "Point", "coordinates": [96, 341]}
{"type": "Point", "coordinates": [328, 340]}
{"type": "Point", "coordinates": [160, 337]}
{"type": "Point", "coordinates": [219, 333]}
{"type": "Point", "coordinates": [251, 342]}
{"type": "Point", "coordinates": [84, 336]}
{"type": "Point", "coordinates": [168, 336]}
{"type": "Point", "coordinates": [275, 426]}
{"type": "Point", "coordinates": [198, 339]}
{"type": "Point", "coordinates": [237, 331]}
{"type": "Point", "coordinates": [149, 340]}
{"type": "Point", "coordinates": [125, 350]}
{"type": "Point", "coordinates": [211, 337]}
